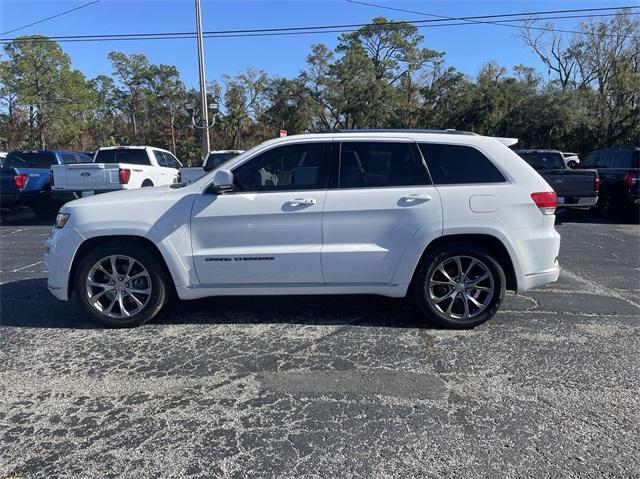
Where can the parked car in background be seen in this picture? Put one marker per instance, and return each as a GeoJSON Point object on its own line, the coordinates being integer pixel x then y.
{"type": "Point", "coordinates": [453, 219]}
{"type": "Point", "coordinates": [116, 168]}
{"type": "Point", "coordinates": [575, 188]}
{"type": "Point", "coordinates": [24, 179]}
{"type": "Point", "coordinates": [571, 159]}
{"type": "Point", "coordinates": [619, 170]}
{"type": "Point", "coordinates": [211, 162]}
{"type": "Point", "coordinates": [3, 155]}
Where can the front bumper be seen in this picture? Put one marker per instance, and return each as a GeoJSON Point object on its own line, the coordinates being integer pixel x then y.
{"type": "Point", "coordinates": [60, 248]}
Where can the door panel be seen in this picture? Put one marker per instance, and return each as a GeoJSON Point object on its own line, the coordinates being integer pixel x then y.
{"type": "Point", "coordinates": [258, 238]}
{"type": "Point", "coordinates": [269, 231]}
{"type": "Point", "coordinates": [366, 231]}
{"type": "Point", "coordinates": [385, 199]}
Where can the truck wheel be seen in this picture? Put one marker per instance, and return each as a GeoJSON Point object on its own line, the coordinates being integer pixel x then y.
{"type": "Point", "coordinates": [146, 183]}
{"type": "Point", "coordinates": [459, 286]}
{"type": "Point", "coordinates": [45, 208]}
{"type": "Point", "coordinates": [121, 285]}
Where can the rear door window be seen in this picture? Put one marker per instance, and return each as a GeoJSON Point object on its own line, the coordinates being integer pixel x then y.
{"type": "Point", "coordinates": [160, 158]}
{"type": "Point", "coordinates": [69, 158]}
{"type": "Point", "coordinates": [459, 164]}
{"type": "Point", "coordinates": [172, 161]}
{"type": "Point", "coordinates": [125, 155]}
{"type": "Point", "coordinates": [366, 164]}
{"type": "Point", "coordinates": [30, 159]}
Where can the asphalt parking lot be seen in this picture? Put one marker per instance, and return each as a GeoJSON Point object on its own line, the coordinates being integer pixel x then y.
{"type": "Point", "coordinates": [327, 386]}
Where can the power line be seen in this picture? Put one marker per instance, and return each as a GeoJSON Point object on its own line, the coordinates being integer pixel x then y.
{"type": "Point", "coordinates": [51, 17]}
{"type": "Point", "coordinates": [499, 23]}
{"type": "Point", "coordinates": [344, 28]}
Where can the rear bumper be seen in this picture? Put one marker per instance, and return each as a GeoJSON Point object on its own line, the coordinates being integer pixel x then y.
{"type": "Point", "coordinates": [574, 202]}
{"type": "Point", "coordinates": [535, 255]}
{"type": "Point", "coordinates": [9, 201]}
{"type": "Point", "coordinates": [64, 195]}
{"type": "Point", "coordinates": [531, 281]}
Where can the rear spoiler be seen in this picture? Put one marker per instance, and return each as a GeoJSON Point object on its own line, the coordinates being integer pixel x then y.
{"type": "Point", "coordinates": [507, 141]}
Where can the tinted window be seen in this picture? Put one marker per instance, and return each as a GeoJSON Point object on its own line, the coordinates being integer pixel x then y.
{"type": "Point", "coordinates": [68, 158]}
{"type": "Point", "coordinates": [625, 159]}
{"type": "Point", "coordinates": [83, 158]}
{"type": "Point", "coordinates": [543, 160]}
{"type": "Point", "coordinates": [160, 157]}
{"type": "Point", "coordinates": [457, 164]}
{"type": "Point", "coordinates": [291, 167]}
{"type": "Point", "coordinates": [216, 159]}
{"type": "Point", "coordinates": [172, 161]}
{"type": "Point", "coordinates": [30, 159]}
{"type": "Point", "coordinates": [373, 164]}
{"type": "Point", "coordinates": [131, 156]}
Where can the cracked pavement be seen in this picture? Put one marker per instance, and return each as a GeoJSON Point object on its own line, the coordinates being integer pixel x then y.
{"type": "Point", "coordinates": [332, 386]}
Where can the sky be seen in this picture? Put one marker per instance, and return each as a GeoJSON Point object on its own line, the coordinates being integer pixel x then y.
{"type": "Point", "coordinates": [466, 48]}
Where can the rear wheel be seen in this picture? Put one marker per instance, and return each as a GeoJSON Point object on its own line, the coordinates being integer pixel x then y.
{"type": "Point", "coordinates": [459, 286]}
{"type": "Point", "coordinates": [146, 183]}
{"type": "Point", "coordinates": [45, 208]}
{"type": "Point", "coordinates": [121, 285]}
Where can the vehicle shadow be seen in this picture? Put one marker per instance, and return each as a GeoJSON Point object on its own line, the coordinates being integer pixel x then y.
{"type": "Point", "coordinates": [28, 304]}
{"type": "Point", "coordinates": [593, 217]}
{"type": "Point", "coordinates": [22, 217]}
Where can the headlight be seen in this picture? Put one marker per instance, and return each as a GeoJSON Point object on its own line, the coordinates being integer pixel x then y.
{"type": "Point", "coordinates": [62, 219]}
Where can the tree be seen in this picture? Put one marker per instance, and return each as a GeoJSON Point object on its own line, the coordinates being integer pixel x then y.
{"type": "Point", "coordinates": [45, 85]}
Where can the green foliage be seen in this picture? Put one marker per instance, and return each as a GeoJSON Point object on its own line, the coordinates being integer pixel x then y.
{"type": "Point", "coordinates": [380, 76]}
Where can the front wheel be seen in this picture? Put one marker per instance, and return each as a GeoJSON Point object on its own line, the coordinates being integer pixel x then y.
{"type": "Point", "coordinates": [121, 285]}
{"type": "Point", "coordinates": [459, 286]}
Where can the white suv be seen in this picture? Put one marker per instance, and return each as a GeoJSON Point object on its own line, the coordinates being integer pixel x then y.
{"type": "Point", "coordinates": [452, 219]}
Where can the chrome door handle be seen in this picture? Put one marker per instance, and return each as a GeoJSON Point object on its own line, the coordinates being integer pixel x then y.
{"type": "Point", "coordinates": [301, 201]}
{"type": "Point", "coordinates": [417, 197]}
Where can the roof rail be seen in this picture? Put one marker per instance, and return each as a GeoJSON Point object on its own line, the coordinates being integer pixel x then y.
{"type": "Point", "coordinates": [448, 131]}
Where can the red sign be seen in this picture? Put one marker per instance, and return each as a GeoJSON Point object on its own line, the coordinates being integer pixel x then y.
{"type": "Point", "coordinates": [283, 133]}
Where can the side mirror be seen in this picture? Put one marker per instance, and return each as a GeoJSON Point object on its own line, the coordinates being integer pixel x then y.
{"type": "Point", "coordinates": [222, 182]}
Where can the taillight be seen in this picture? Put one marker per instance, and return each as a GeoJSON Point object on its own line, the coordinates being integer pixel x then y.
{"type": "Point", "coordinates": [596, 183]}
{"type": "Point", "coordinates": [629, 179]}
{"type": "Point", "coordinates": [125, 174]}
{"type": "Point", "coordinates": [20, 180]}
{"type": "Point", "coordinates": [547, 201]}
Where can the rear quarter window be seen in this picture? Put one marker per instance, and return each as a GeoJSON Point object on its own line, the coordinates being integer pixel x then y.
{"type": "Point", "coordinates": [459, 164]}
{"type": "Point", "coordinates": [125, 155]}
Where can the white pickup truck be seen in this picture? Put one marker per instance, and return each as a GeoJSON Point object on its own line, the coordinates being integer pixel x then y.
{"type": "Point", "coordinates": [115, 168]}
{"type": "Point", "coordinates": [212, 161]}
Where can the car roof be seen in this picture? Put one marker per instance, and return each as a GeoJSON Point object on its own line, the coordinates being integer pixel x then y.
{"type": "Point", "coordinates": [433, 136]}
{"type": "Point", "coordinates": [540, 151]}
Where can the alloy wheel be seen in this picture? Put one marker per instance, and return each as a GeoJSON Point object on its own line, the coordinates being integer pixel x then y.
{"type": "Point", "coordinates": [118, 286]}
{"type": "Point", "coordinates": [460, 287]}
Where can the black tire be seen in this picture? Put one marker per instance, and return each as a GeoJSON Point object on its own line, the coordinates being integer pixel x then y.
{"type": "Point", "coordinates": [433, 260]}
{"type": "Point", "coordinates": [572, 164]}
{"type": "Point", "coordinates": [157, 276]}
{"type": "Point", "coordinates": [146, 183]}
{"type": "Point", "coordinates": [45, 208]}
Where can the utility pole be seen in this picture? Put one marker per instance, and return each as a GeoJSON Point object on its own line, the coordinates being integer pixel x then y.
{"type": "Point", "coordinates": [204, 110]}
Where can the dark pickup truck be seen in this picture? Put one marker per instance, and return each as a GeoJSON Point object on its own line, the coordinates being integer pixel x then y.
{"type": "Point", "coordinates": [619, 170]}
{"type": "Point", "coordinates": [575, 188]}
{"type": "Point", "coordinates": [24, 179]}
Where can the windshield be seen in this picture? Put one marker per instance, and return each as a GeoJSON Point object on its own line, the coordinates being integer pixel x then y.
{"type": "Point", "coordinates": [133, 156]}
{"type": "Point", "coordinates": [30, 159]}
{"type": "Point", "coordinates": [544, 160]}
